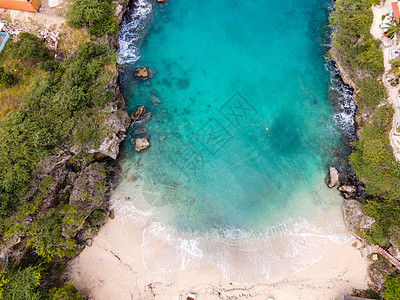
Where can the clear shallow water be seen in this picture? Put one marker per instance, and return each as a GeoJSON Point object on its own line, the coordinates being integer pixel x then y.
{"type": "Point", "coordinates": [241, 135]}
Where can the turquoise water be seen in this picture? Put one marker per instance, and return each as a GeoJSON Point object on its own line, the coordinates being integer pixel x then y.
{"type": "Point", "coordinates": [241, 131]}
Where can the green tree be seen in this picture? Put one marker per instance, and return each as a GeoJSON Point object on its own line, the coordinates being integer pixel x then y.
{"type": "Point", "coordinates": [22, 284]}
{"type": "Point", "coordinates": [392, 30]}
{"type": "Point", "coordinates": [392, 288]}
{"type": "Point", "coordinates": [97, 15]}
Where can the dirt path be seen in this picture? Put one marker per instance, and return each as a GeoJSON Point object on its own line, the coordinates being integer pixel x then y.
{"type": "Point", "coordinates": [50, 18]}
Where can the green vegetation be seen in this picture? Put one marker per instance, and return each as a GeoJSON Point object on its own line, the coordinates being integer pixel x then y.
{"type": "Point", "coordinates": [22, 284]}
{"type": "Point", "coordinates": [372, 160]}
{"type": "Point", "coordinates": [352, 39]}
{"type": "Point", "coordinates": [392, 288]}
{"type": "Point", "coordinates": [66, 292]}
{"type": "Point", "coordinates": [19, 69]}
{"type": "Point", "coordinates": [60, 105]}
{"type": "Point", "coordinates": [96, 15]}
{"type": "Point", "coordinates": [372, 92]}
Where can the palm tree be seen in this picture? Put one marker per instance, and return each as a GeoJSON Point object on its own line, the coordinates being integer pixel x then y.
{"type": "Point", "coordinates": [392, 30]}
{"type": "Point", "coordinates": [395, 67]}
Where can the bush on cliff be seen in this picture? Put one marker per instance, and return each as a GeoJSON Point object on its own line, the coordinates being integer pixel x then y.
{"type": "Point", "coordinates": [97, 15]}
{"type": "Point", "coordinates": [53, 110]}
{"type": "Point", "coordinates": [372, 92]}
{"type": "Point", "coordinates": [356, 47]}
{"type": "Point", "coordinates": [28, 46]}
{"type": "Point", "coordinates": [392, 288]}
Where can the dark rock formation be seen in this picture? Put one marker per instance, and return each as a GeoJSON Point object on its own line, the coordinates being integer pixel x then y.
{"type": "Point", "coordinates": [332, 179]}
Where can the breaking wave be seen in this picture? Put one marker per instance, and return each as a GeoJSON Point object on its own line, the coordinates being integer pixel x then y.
{"type": "Point", "coordinates": [132, 30]}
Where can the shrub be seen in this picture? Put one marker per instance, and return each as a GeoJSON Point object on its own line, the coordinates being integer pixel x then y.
{"type": "Point", "coordinates": [392, 288]}
{"type": "Point", "coordinates": [28, 46]}
{"type": "Point", "coordinates": [97, 15]}
{"type": "Point", "coordinates": [372, 92]}
{"type": "Point", "coordinates": [66, 292]}
{"type": "Point", "coordinates": [22, 284]}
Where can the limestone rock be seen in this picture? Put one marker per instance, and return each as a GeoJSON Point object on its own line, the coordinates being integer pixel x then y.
{"type": "Point", "coordinates": [114, 125]}
{"type": "Point", "coordinates": [348, 190]}
{"type": "Point", "coordinates": [332, 179]}
{"type": "Point", "coordinates": [89, 193]}
{"type": "Point", "coordinates": [141, 73]}
{"type": "Point", "coordinates": [141, 130]}
{"type": "Point", "coordinates": [138, 113]}
{"type": "Point", "coordinates": [120, 9]}
{"type": "Point", "coordinates": [354, 217]}
{"type": "Point", "coordinates": [141, 143]}
{"type": "Point", "coordinates": [89, 242]}
{"type": "Point", "coordinates": [377, 272]}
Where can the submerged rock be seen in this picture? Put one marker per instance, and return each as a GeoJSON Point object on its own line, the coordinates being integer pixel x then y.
{"type": "Point", "coordinates": [332, 179]}
{"type": "Point", "coordinates": [138, 113]}
{"type": "Point", "coordinates": [141, 130]}
{"type": "Point", "coordinates": [141, 73]}
{"type": "Point", "coordinates": [141, 143]}
{"type": "Point", "coordinates": [143, 119]}
{"type": "Point", "coordinates": [355, 218]}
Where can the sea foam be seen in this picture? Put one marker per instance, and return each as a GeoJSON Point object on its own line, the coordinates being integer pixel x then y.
{"type": "Point", "coordinates": [132, 31]}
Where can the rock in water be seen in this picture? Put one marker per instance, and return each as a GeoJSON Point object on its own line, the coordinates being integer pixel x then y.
{"type": "Point", "coordinates": [332, 179]}
{"type": "Point", "coordinates": [348, 190]}
{"type": "Point", "coordinates": [141, 73]}
{"type": "Point", "coordinates": [138, 113]}
{"type": "Point", "coordinates": [141, 130]}
{"type": "Point", "coordinates": [141, 143]}
{"type": "Point", "coordinates": [143, 119]}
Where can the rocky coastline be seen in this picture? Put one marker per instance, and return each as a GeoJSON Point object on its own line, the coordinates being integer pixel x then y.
{"type": "Point", "coordinates": [83, 174]}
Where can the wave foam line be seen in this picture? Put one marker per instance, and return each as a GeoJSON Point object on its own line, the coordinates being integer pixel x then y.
{"type": "Point", "coordinates": [132, 31]}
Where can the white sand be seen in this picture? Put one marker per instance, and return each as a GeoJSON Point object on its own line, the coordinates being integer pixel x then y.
{"type": "Point", "coordinates": [113, 269]}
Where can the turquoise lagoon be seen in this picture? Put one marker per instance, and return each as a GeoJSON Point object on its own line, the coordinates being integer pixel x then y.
{"type": "Point", "coordinates": [242, 133]}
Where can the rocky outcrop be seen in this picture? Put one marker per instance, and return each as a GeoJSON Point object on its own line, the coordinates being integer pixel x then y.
{"type": "Point", "coordinates": [87, 195]}
{"type": "Point", "coordinates": [120, 9]}
{"type": "Point", "coordinates": [138, 113]}
{"type": "Point", "coordinates": [141, 73]}
{"type": "Point", "coordinates": [115, 122]}
{"type": "Point", "coordinates": [332, 178]}
{"type": "Point", "coordinates": [141, 143]}
{"type": "Point", "coordinates": [355, 218]}
{"type": "Point", "coordinates": [143, 119]}
{"type": "Point", "coordinates": [348, 191]}
{"type": "Point", "coordinates": [378, 271]}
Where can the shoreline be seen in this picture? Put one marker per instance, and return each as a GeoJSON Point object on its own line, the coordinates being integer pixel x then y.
{"type": "Point", "coordinates": [111, 268]}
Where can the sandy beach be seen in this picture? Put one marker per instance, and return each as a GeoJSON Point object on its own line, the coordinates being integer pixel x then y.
{"type": "Point", "coordinates": [113, 269]}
